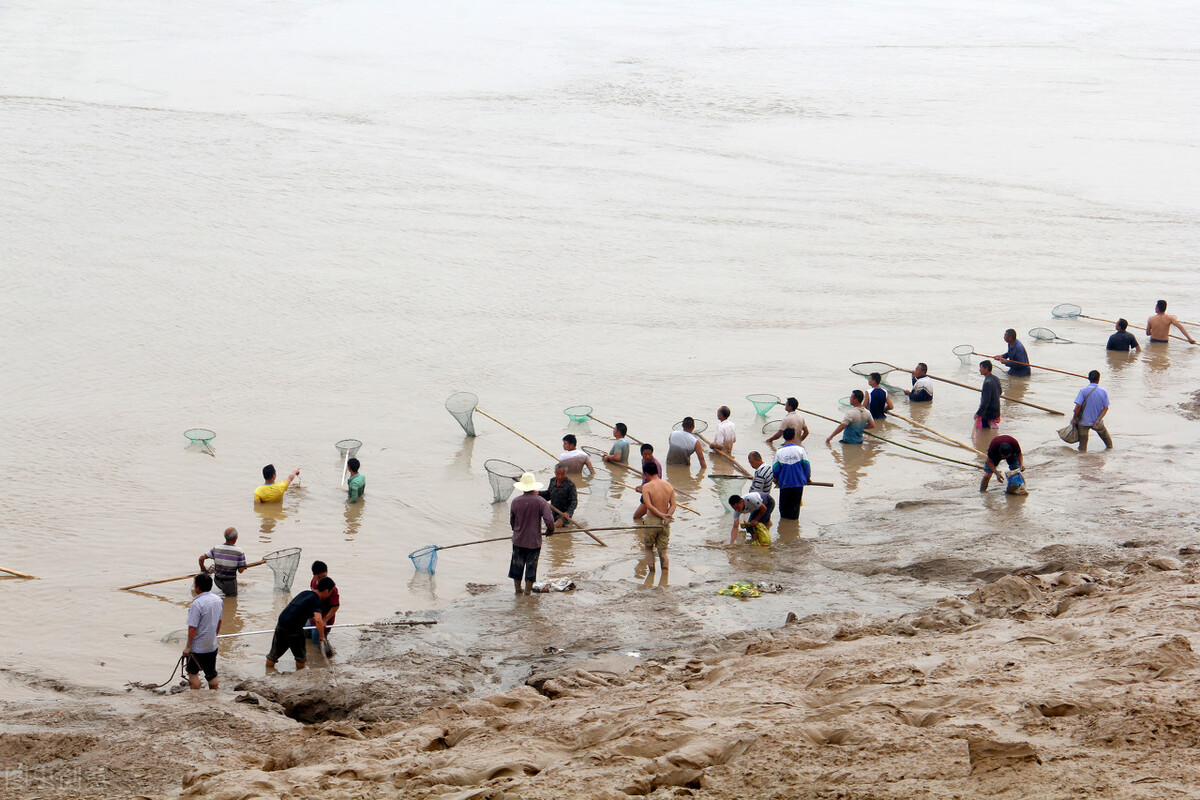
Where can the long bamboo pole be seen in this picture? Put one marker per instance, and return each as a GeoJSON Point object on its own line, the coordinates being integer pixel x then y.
{"type": "Point", "coordinates": [179, 578]}
{"type": "Point", "coordinates": [726, 456]}
{"type": "Point", "coordinates": [16, 574]}
{"type": "Point", "coordinates": [336, 625]}
{"type": "Point", "coordinates": [897, 444]}
{"type": "Point", "coordinates": [1034, 366]}
{"type": "Point", "coordinates": [950, 439]}
{"type": "Point", "coordinates": [977, 389]}
{"type": "Point", "coordinates": [567, 517]}
{"type": "Point", "coordinates": [610, 427]}
{"type": "Point", "coordinates": [1114, 322]}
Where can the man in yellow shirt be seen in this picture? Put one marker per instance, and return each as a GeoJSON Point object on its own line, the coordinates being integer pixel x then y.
{"type": "Point", "coordinates": [272, 491]}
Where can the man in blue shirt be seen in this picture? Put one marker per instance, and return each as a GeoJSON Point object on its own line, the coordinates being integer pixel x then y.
{"type": "Point", "coordinates": [1091, 404]}
{"type": "Point", "coordinates": [1016, 359]}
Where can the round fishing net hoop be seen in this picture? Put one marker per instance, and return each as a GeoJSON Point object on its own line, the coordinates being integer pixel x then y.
{"type": "Point", "coordinates": [727, 486]}
{"type": "Point", "coordinates": [701, 426]}
{"type": "Point", "coordinates": [425, 559]}
{"type": "Point", "coordinates": [461, 406]}
{"type": "Point", "coordinates": [578, 413]}
{"type": "Point", "coordinates": [844, 402]}
{"type": "Point", "coordinates": [865, 368]}
{"type": "Point", "coordinates": [595, 452]}
{"type": "Point", "coordinates": [501, 475]}
{"type": "Point", "coordinates": [1046, 335]}
{"type": "Point", "coordinates": [763, 403]}
{"type": "Point", "coordinates": [772, 426]}
{"type": "Point", "coordinates": [964, 353]}
{"type": "Point", "coordinates": [1065, 311]}
{"type": "Point", "coordinates": [202, 435]}
{"type": "Point", "coordinates": [348, 448]}
{"type": "Point", "coordinates": [284, 564]}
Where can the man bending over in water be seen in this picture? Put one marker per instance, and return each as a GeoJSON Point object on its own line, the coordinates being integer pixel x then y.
{"type": "Point", "coordinates": [1158, 327]}
{"type": "Point", "coordinates": [658, 508]}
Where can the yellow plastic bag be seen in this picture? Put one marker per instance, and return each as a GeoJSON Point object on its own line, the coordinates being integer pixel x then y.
{"type": "Point", "coordinates": [740, 589]}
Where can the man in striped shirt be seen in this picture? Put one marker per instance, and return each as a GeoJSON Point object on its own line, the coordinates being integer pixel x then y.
{"type": "Point", "coordinates": [228, 561]}
{"type": "Point", "coordinates": [764, 476]}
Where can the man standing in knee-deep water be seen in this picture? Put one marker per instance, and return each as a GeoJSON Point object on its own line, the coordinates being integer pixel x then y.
{"type": "Point", "coordinates": [1123, 341]}
{"type": "Point", "coordinates": [1091, 404]}
{"type": "Point", "coordinates": [561, 494]}
{"type": "Point", "coordinates": [988, 414]}
{"type": "Point", "coordinates": [658, 508]}
{"type": "Point", "coordinates": [228, 561]}
{"type": "Point", "coordinates": [204, 623]}
{"type": "Point", "coordinates": [272, 491]}
{"type": "Point", "coordinates": [357, 483]}
{"type": "Point", "coordinates": [682, 443]}
{"type": "Point", "coordinates": [1015, 358]}
{"type": "Point", "coordinates": [527, 513]}
{"type": "Point", "coordinates": [922, 384]}
{"type": "Point", "coordinates": [1002, 448]}
{"type": "Point", "coordinates": [289, 630]}
{"type": "Point", "coordinates": [857, 420]}
{"type": "Point", "coordinates": [792, 473]}
{"type": "Point", "coordinates": [1158, 327]}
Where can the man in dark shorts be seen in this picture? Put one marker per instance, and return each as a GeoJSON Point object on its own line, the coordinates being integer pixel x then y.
{"type": "Point", "coordinates": [1003, 448]}
{"type": "Point", "coordinates": [204, 623]}
{"type": "Point", "coordinates": [758, 507]}
{"type": "Point", "coordinates": [289, 630]}
{"type": "Point", "coordinates": [526, 515]}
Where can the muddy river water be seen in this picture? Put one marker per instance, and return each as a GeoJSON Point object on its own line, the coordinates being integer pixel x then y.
{"type": "Point", "coordinates": [294, 225]}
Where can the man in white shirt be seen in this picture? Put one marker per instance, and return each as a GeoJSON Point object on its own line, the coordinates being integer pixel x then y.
{"type": "Point", "coordinates": [575, 460]}
{"type": "Point", "coordinates": [922, 385]}
{"type": "Point", "coordinates": [794, 420]}
{"type": "Point", "coordinates": [726, 432]}
{"type": "Point", "coordinates": [683, 443]}
{"type": "Point", "coordinates": [204, 623]}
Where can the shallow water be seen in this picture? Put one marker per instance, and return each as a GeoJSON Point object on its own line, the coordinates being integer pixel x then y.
{"type": "Point", "coordinates": [294, 227]}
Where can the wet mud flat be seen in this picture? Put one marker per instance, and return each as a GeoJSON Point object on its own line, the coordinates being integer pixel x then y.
{"type": "Point", "coordinates": [1061, 684]}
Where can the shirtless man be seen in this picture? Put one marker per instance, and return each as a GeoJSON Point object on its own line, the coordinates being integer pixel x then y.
{"type": "Point", "coordinates": [1158, 327]}
{"type": "Point", "coordinates": [657, 507]}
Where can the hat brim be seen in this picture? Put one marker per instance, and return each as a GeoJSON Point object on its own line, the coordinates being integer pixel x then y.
{"type": "Point", "coordinates": [536, 487]}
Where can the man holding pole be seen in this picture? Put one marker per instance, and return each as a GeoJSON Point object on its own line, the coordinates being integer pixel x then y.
{"type": "Point", "coordinates": [857, 420]}
{"type": "Point", "coordinates": [792, 419]}
{"type": "Point", "coordinates": [561, 494]}
{"type": "Point", "coordinates": [526, 515]}
{"type": "Point", "coordinates": [272, 491]}
{"type": "Point", "coordinates": [726, 432]}
{"type": "Point", "coordinates": [289, 629]}
{"type": "Point", "coordinates": [682, 443]}
{"type": "Point", "coordinates": [228, 561]}
{"type": "Point", "coordinates": [1015, 358]}
{"type": "Point", "coordinates": [619, 453]}
{"type": "Point", "coordinates": [204, 623]}
{"type": "Point", "coordinates": [357, 484]}
{"type": "Point", "coordinates": [1158, 327]}
{"type": "Point", "coordinates": [792, 473]}
{"type": "Point", "coordinates": [922, 384]}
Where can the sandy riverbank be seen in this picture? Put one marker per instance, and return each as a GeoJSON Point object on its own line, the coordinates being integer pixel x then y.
{"type": "Point", "coordinates": [1067, 684]}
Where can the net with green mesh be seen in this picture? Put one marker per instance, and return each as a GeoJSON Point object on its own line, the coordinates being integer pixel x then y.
{"type": "Point", "coordinates": [763, 403]}
{"type": "Point", "coordinates": [283, 564]}
{"type": "Point", "coordinates": [844, 402]}
{"type": "Point", "coordinates": [727, 486]}
{"type": "Point", "coordinates": [701, 426]}
{"type": "Point", "coordinates": [348, 448]}
{"type": "Point", "coordinates": [1046, 335]}
{"type": "Point", "coordinates": [578, 413]}
{"type": "Point", "coordinates": [461, 406]}
{"type": "Point", "coordinates": [501, 475]}
{"type": "Point", "coordinates": [202, 437]}
{"type": "Point", "coordinates": [425, 559]}
{"type": "Point", "coordinates": [964, 353]}
{"type": "Point", "coordinates": [1065, 311]}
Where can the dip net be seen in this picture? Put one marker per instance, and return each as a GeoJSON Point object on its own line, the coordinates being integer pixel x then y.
{"type": "Point", "coordinates": [1065, 311]}
{"type": "Point", "coordinates": [501, 475]}
{"type": "Point", "coordinates": [348, 448]}
{"type": "Point", "coordinates": [461, 406]}
{"type": "Point", "coordinates": [763, 403]}
{"type": "Point", "coordinates": [202, 437]}
{"type": "Point", "coordinates": [578, 413]}
{"type": "Point", "coordinates": [701, 426]}
{"type": "Point", "coordinates": [1046, 335]}
{"type": "Point", "coordinates": [284, 564]}
{"type": "Point", "coordinates": [425, 559]}
{"type": "Point", "coordinates": [727, 486]}
{"type": "Point", "coordinates": [865, 368]}
{"type": "Point", "coordinates": [964, 353]}
{"type": "Point", "coordinates": [772, 426]}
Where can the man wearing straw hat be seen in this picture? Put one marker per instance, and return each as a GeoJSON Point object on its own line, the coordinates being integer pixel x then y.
{"type": "Point", "coordinates": [228, 561]}
{"type": "Point", "coordinates": [526, 515]}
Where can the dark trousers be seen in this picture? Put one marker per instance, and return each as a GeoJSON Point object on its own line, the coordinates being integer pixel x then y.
{"type": "Point", "coordinates": [790, 499]}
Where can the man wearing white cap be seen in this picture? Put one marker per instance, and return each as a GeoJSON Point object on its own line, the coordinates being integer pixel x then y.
{"type": "Point", "coordinates": [526, 515]}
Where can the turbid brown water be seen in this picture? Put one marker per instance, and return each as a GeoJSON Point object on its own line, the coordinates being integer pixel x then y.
{"type": "Point", "coordinates": [294, 227]}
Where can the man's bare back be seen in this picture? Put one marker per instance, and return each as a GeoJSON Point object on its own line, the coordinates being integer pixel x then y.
{"type": "Point", "coordinates": [659, 496]}
{"type": "Point", "coordinates": [1158, 327]}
